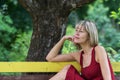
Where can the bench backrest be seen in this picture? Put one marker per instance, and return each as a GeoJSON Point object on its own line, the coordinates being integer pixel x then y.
{"type": "Point", "coordinates": [43, 66]}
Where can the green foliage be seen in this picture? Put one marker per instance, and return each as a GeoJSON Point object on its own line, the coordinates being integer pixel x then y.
{"type": "Point", "coordinates": [4, 27]}
{"type": "Point", "coordinates": [20, 47]}
{"type": "Point", "coordinates": [68, 45]}
{"type": "Point", "coordinates": [114, 55]}
{"type": "Point", "coordinates": [97, 12]}
{"type": "Point", "coordinates": [116, 16]}
{"type": "Point", "coordinates": [6, 33]}
{"type": "Point", "coordinates": [112, 4]}
{"type": "Point", "coordinates": [20, 17]}
{"type": "Point", "coordinates": [15, 31]}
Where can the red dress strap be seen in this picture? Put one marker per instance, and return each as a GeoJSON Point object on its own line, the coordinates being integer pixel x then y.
{"type": "Point", "coordinates": [81, 58]}
{"type": "Point", "coordinates": [93, 55]}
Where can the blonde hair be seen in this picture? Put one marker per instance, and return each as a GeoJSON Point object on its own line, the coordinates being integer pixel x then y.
{"type": "Point", "coordinates": [91, 29]}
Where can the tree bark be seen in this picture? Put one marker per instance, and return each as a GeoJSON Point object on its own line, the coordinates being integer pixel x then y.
{"type": "Point", "coordinates": [49, 23]}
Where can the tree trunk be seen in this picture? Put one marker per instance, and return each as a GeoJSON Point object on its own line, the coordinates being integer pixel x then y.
{"type": "Point", "coordinates": [49, 23]}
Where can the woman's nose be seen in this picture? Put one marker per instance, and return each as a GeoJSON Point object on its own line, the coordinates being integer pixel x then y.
{"type": "Point", "coordinates": [76, 33]}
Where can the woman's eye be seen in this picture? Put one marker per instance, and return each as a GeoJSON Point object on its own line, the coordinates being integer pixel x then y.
{"type": "Point", "coordinates": [76, 30]}
{"type": "Point", "coordinates": [80, 31]}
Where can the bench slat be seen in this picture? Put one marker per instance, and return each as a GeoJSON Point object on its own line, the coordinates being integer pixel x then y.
{"type": "Point", "coordinates": [34, 66]}
{"type": "Point", "coordinates": [116, 66]}
{"type": "Point", "coordinates": [42, 66]}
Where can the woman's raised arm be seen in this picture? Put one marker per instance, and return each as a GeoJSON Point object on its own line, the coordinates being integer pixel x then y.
{"type": "Point", "coordinates": [53, 54]}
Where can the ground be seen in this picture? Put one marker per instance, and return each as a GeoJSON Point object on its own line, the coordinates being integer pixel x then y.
{"type": "Point", "coordinates": [33, 77]}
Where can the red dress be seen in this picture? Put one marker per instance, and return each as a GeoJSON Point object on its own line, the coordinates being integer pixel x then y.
{"type": "Point", "coordinates": [92, 72]}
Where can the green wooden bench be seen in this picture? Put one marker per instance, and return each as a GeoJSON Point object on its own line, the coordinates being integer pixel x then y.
{"type": "Point", "coordinates": [43, 66]}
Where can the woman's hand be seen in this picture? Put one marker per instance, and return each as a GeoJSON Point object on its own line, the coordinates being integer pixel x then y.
{"type": "Point", "coordinates": [70, 38]}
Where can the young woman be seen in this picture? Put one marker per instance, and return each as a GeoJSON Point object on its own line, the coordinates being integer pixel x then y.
{"type": "Point", "coordinates": [93, 59]}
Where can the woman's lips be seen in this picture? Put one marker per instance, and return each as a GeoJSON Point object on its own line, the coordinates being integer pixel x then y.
{"type": "Point", "coordinates": [76, 37]}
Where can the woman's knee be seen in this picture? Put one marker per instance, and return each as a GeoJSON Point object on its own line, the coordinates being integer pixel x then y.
{"type": "Point", "coordinates": [62, 74]}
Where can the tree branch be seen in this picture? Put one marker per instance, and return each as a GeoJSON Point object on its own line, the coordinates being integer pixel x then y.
{"type": "Point", "coordinates": [71, 4]}
{"type": "Point", "coordinates": [28, 4]}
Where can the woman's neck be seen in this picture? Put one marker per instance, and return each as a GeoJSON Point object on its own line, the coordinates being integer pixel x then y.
{"type": "Point", "coordinates": [86, 48]}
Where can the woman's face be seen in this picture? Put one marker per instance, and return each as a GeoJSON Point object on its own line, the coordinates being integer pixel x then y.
{"type": "Point", "coordinates": [81, 36]}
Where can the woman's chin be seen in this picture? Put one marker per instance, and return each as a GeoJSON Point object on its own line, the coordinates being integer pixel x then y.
{"type": "Point", "coordinates": [76, 42]}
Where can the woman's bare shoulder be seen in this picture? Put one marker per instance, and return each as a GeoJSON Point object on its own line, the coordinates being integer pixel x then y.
{"type": "Point", "coordinates": [99, 49]}
{"type": "Point", "coordinates": [100, 52]}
